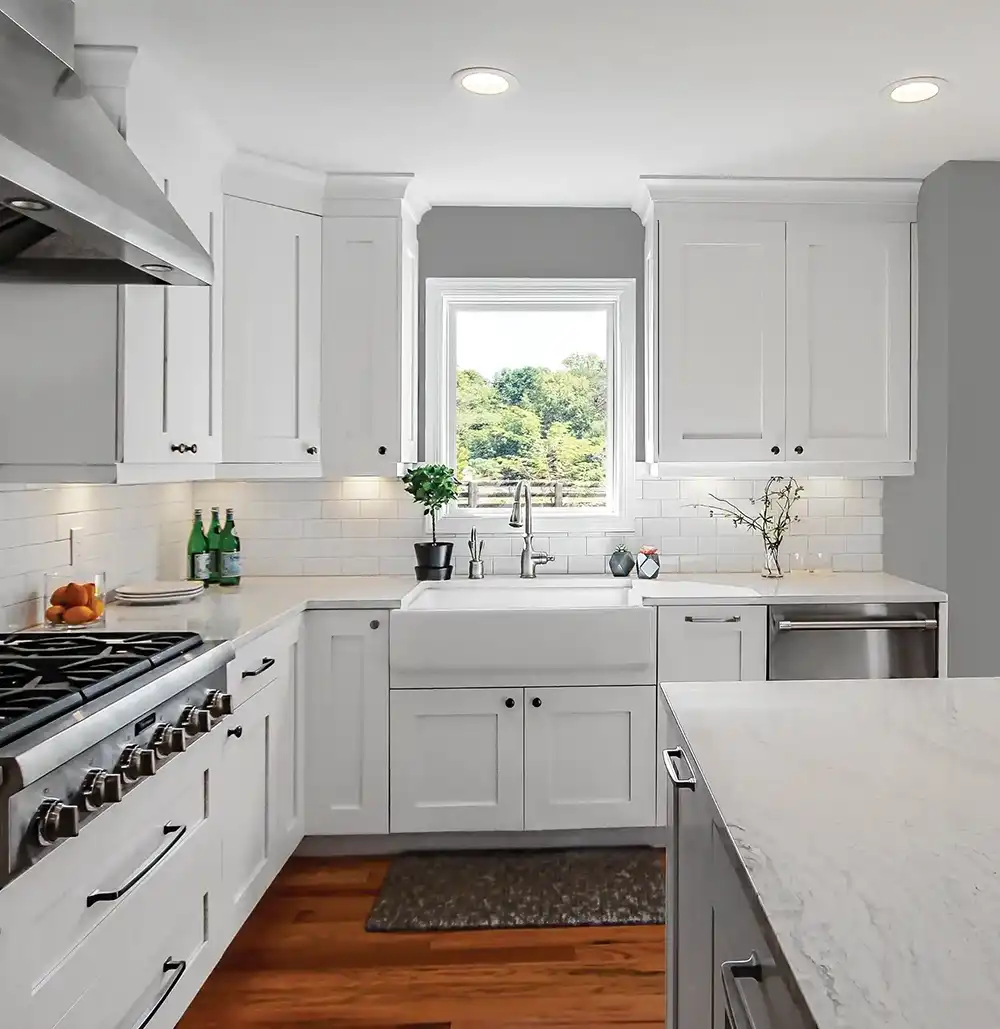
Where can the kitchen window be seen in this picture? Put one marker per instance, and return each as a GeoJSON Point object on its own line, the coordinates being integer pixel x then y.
{"type": "Point", "coordinates": [533, 379]}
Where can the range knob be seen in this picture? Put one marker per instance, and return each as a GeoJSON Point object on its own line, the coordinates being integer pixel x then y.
{"type": "Point", "coordinates": [195, 720]}
{"type": "Point", "coordinates": [137, 762]}
{"type": "Point", "coordinates": [100, 788]}
{"type": "Point", "coordinates": [57, 820]}
{"type": "Point", "coordinates": [169, 739]}
{"type": "Point", "coordinates": [219, 704]}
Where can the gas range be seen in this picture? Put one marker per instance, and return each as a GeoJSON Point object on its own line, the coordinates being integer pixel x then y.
{"type": "Point", "coordinates": [85, 717]}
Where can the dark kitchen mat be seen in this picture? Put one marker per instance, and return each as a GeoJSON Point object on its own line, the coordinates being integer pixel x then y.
{"type": "Point", "coordinates": [520, 889]}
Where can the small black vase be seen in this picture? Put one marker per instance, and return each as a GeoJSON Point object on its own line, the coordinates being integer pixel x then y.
{"type": "Point", "coordinates": [621, 563]}
{"type": "Point", "coordinates": [433, 560]}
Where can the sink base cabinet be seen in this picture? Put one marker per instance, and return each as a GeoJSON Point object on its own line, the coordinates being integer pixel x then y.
{"type": "Point", "coordinates": [456, 759]}
{"type": "Point", "coordinates": [493, 759]}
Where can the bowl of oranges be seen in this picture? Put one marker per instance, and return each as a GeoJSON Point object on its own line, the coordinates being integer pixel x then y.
{"type": "Point", "coordinates": [74, 603]}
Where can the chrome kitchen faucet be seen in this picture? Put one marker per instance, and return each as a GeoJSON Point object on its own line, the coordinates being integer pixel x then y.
{"type": "Point", "coordinates": [530, 558]}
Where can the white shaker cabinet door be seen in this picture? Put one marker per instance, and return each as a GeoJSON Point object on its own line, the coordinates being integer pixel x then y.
{"type": "Point", "coordinates": [721, 315]}
{"type": "Point", "coordinates": [589, 757]}
{"type": "Point", "coordinates": [457, 760]}
{"type": "Point", "coordinates": [347, 722]}
{"type": "Point", "coordinates": [848, 360]}
{"type": "Point", "coordinates": [172, 348]}
{"type": "Point", "coordinates": [369, 344]}
{"type": "Point", "coordinates": [272, 328]}
{"type": "Point", "coordinates": [711, 644]}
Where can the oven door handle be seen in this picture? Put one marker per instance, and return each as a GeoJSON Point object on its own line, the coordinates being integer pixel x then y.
{"type": "Point", "coordinates": [862, 623]}
{"type": "Point", "coordinates": [174, 833]}
{"type": "Point", "coordinates": [170, 965]}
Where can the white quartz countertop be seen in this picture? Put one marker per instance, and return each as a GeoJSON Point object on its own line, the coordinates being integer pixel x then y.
{"type": "Point", "coordinates": [793, 588]}
{"type": "Point", "coordinates": [868, 816]}
{"type": "Point", "coordinates": [243, 612]}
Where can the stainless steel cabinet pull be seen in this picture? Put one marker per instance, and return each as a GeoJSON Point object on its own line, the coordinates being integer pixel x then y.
{"type": "Point", "coordinates": [175, 832]}
{"type": "Point", "coordinates": [264, 666]}
{"type": "Point", "coordinates": [668, 760]}
{"type": "Point", "coordinates": [737, 1013]}
{"type": "Point", "coordinates": [700, 619]}
{"type": "Point", "coordinates": [178, 968]}
{"type": "Point", "coordinates": [863, 623]}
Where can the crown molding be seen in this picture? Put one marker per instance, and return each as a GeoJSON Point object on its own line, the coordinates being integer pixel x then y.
{"type": "Point", "coordinates": [382, 194]}
{"type": "Point", "coordinates": [270, 181]}
{"type": "Point", "coordinates": [642, 203]}
{"type": "Point", "coordinates": [697, 189]}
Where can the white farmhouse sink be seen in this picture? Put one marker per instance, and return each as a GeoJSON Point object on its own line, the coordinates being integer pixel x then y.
{"type": "Point", "coordinates": [522, 633]}
{"type": "Point", "coordinates": [520, 595]}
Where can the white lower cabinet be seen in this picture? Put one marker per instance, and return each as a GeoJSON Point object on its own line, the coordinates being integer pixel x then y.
{"type": "Point", "coordinates": [589, 757]}
{"type": "Point", "coordinates": [487, 759]}
{"type": "Point", "coordinates": [457, 760]}
{"type": "Point", "coordinates": [347, 723]}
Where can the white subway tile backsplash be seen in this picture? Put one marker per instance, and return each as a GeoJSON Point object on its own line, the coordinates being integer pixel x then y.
{"type": "Point", "coordinates": [372, 523]}
{"type": "Point", "coordinates": [872, 562]}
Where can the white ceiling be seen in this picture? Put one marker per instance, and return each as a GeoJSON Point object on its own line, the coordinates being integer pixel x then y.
{"type": "Point", "coordinates": [609, 89]}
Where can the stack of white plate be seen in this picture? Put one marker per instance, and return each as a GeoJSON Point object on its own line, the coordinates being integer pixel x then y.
{"type": "Point", "coordinates": [158, 592]}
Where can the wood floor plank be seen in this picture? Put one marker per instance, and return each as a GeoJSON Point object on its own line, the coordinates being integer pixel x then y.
{"type": "Point", "coordinates": [304, 961]}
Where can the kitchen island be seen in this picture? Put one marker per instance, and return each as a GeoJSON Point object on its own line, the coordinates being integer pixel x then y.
{"type": "Point", "coordinates": [861, 819]}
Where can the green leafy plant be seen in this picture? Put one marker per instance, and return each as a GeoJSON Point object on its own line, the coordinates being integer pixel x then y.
{"type": "Point", "coordinates": [432, 486]}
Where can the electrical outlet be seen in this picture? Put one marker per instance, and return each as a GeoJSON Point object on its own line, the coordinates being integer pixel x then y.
{"type": "Point", "coordinates": [75, 545]}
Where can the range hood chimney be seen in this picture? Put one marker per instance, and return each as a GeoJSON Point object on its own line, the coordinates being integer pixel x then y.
{"type": "Point", "coordinates": [76, 205]}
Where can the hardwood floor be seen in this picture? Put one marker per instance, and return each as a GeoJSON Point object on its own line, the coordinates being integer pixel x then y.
{"type": "Point", "coordinates": [303, 959]}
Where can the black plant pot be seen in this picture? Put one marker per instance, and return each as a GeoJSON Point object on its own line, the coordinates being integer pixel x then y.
{"type": "Point", "coordinates": [433, 560]}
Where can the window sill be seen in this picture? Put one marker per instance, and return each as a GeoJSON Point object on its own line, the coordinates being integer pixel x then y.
{"type": "Point", "coordinates": [544, 523]}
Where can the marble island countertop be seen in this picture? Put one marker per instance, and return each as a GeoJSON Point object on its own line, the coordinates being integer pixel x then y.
{"type": "Point", "coordinates": [258, 604]}
{"type": "Point", "coordinates": [867, 816]}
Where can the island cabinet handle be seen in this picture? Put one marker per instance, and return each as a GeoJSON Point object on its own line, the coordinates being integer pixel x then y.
{"type": "Point", "coordinates": [705, 619]}
{"type": "Point", "coordinates": [863, 623]}
{"type": "Point", "coordinates": [737, 1013]}
{"type": "Point", "coordinates": [668, 760]}
{"type": "Point", "coordinates": [267, 663]}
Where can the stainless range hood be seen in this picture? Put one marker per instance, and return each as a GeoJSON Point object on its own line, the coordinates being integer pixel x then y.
{"type": "Point", "coordinates": [77, 204]}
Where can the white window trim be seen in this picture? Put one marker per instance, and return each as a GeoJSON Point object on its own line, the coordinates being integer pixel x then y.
{"type": "Point", "coordinates": [446, 296]}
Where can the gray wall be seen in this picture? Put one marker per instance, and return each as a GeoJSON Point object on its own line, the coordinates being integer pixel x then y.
{"type": "Point", "coordinates": [535, 242]}
{"type": "Point", "coordinates": [941, 526]}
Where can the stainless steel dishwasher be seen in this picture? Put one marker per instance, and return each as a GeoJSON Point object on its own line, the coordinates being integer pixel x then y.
{"type": "Point", "coordinates": [852, 641]}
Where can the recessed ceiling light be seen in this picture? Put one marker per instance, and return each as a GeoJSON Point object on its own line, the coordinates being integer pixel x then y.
{"type": "Point", "coordinates": [484, 81]}
{"type": "Point", "coordinates": [157, 268]}
{"type": "Point", "coordinates": [27, 204]}
{"type": "Point", "coordinates": [915, 90]}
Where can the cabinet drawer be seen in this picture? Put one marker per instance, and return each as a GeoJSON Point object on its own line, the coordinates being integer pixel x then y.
{"type": "Point", "coordinates": [261, 661]}
{"type": "Point", "coordinates": [124, 853]}
{"type": "Point", "coordinates": [142, 957]}
{"type": "Point", "coordinates": [745, 973]}
{"type": "Point", "coordinates": [711, 643]}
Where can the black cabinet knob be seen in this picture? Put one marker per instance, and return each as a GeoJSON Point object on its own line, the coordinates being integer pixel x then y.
{"type": "Point", "coordinates": [193, 448]}
{"type": "Point", "coordinates": [509, 702]}
{"type": "Point", "coordinates": [536, 701]}
{"type": "Point", "coordinates": [312, 451]}
{"type": "Point", "coordinates": [381, 450]}
{"type": "Point", "coordinates": [237, 732]}
{"type": "Point", "coordinates": [374, 623]}
{"type": "Point", "coordinates": [775, 450]}
{"type": "Point", "coordinates": [179, 448]}
{"type": "Point", "coordinates": [798, 450]}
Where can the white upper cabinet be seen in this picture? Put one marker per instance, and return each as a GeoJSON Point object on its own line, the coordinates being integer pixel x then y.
{"type": "Point", "coordinates": [272, 338]}
{"type": "Point", "coordinates": [780, 332]}
{"type": "Point", "coordinates": [370, 290]}
{"type": "Point", "coordinates": [722, 339]}
{"type": "Point", "coordinates": [848, 366]}
{"type": "Point", "coordinates": [123, 383]}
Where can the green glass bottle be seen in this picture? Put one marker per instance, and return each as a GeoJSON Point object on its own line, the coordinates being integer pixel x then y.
{"type": "Point", "coordinates": [198, 559]}
{"type": "Point", "coordinates": [229, 553]}
{"type": "Point", "coordinates": [214, 535]}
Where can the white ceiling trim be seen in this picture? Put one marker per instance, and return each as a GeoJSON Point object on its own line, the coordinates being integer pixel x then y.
{"type": "Point", "coordinates": [696, 189]}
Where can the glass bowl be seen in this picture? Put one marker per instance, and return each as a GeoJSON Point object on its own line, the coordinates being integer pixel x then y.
{"type": "Point", "coordinates": [74, 600]}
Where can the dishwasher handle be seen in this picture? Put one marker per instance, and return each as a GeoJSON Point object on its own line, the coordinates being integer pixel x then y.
{"type": "Point", "coordinates": [861, 623]}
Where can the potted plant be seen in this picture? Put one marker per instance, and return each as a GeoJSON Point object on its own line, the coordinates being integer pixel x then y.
{"type": "Point", "coordinates": [432, 486]}
{"type": "Point", "coordinates": [621, 561]}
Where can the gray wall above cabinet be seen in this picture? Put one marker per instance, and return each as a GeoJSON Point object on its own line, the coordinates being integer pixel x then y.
{"type": "Point", "coordinates": [535, 242]}
{"type": "Point", "coordinates": [940, 525]}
